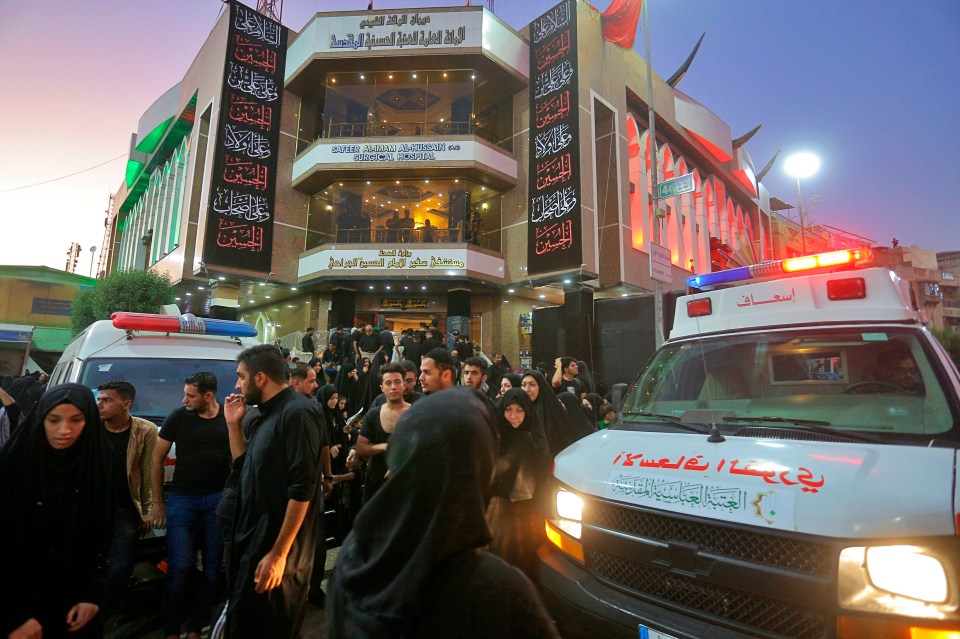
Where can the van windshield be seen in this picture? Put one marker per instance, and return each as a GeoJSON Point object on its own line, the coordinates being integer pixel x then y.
{"type": "Point", "coordinates": [159, 382]}
{"type": "Point", "coordinates": [881, 381]}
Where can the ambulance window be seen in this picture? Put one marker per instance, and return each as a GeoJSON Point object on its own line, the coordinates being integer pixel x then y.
{"type": "Point", "coordinates": [887, 383]}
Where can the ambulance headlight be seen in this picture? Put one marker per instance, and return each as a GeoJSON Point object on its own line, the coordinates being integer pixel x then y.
{"type": "Point", "coordinates": [570, 511]}
{"type": "Point", "coordinates": [904, 580]}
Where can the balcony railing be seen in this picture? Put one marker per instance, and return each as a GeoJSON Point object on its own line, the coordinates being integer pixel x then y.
{"type": "Point", "coordinates": [389, 129]}
{"type": "Point", "coordinates": [409, 236]}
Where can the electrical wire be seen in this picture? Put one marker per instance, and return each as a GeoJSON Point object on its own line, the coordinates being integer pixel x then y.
{"type": "Point", "coordinates": [63, 177]}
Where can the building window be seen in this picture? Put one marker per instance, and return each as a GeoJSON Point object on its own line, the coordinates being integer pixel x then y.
{"type": "Point", "coordinates": [406, 103]}
{"type": "Point", "coordinates": [405, 212]}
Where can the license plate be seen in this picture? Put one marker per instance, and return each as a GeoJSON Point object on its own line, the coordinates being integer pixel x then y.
{"type": "Point", "coordinates": [648, 633]}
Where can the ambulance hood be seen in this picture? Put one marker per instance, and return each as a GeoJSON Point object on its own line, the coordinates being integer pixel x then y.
{"type": "Point", "coordinates": [820, 488]}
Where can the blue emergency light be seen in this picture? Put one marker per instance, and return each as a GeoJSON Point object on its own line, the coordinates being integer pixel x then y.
{"type": "Point", "coordinates": [833, 259]}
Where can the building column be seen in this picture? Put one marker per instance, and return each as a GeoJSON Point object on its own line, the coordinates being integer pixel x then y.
{"type": "Point", "coordinates": [224, 301]}
{"type": "Point", "coordinates": [578, 324]}
{"type": "Point", "coordinates": [458, 314]}
{"type": "Point", "coordinates": [343, 308]}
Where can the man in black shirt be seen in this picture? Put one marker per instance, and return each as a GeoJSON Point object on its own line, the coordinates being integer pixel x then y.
{"type": "Point", "coordinates": [278, 494]}
{"type": "Point", "coordinates": [565, 377]}
{"type": "Point", "coordinates": [190, 514]}
{"type": "Point", "coordinates": [430, 342]}
{"type": "Point", "coordinates": [368, 344]}
{"type": "Point", "coordinates": [378, 423]}
{"type": "Point", "coordinates": [308, 343]}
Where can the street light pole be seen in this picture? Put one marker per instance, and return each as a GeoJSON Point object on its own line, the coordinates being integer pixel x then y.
{"type": "Point", "coordinates": [654, 176]}
{"type": "Point", "coordinates": [801, 165]}
{"type": "Point", "coordinates": [803, 232]}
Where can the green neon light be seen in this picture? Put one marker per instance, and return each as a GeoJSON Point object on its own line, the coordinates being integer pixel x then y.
{"type": "Point", "coordinates": [133, 170]}
{"type": "Point", "coordinates": [149, 143]}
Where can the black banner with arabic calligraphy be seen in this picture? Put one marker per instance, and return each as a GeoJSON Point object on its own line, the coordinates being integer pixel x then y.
{"type": "Point", "coordinates": [240, 215]}
{"type": "Point", "coordinates": [553, 232]}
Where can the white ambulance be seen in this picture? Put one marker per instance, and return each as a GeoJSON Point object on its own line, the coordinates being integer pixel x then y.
{"type": "Point", "coordinates": [786, 465]}
{"type": "Point", "coordinates": [155, 353]}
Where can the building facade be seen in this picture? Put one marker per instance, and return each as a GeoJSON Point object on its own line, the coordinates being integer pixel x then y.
{"type": "Point", "coordinates": [432, 164]}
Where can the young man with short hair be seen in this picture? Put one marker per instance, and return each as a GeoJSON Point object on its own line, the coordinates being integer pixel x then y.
{"type": "Point", "coordinates": [565, 377]}
{"type": "Point", "coordinates": [199, 430]}
{"type": "Point", "coordinates": [437, 371]}
{"type": "Point", "coordinates": [132, 441]}
{"type": "Point", "coordinates": [410, 393]}
{"type": "Point", "coordinates": [475, 373]}
{"type": "Point", "coordinates": [378, 423]}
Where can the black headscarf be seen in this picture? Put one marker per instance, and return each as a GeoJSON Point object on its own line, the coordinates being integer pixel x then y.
{"type": "Point", "coordinates": [575, 416]}
{"type": "Point", "coordinates": [441, 460]}
{"type": "Point", "coordinates": [553, 416]}
{"type": "Point", "coordinates": [515, 380]}
{"type": "Point", "coordinates": [58, 512]}
{"type": "Point", "coordinates": [495, 373]}
{"type": "Point", "coordinates": [332, 421]}
{"type": "Point", "coordinates": [524, 453]}
{"type": "Point", "coordinates": [585, 376]}
{"type": "Point", "coordinates": [593, 413]}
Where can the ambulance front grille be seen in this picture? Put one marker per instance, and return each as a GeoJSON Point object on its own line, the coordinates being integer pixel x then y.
{"type": "Point", "coordinates": [772, 617]}
{"type": "Point", "coordinates": [781, 551]}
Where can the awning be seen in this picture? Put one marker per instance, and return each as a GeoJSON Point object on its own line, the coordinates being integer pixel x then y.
{"type": "Point", "coordinates": [16, 333]}
{"type": "Point", "coordinates": [51, 339]}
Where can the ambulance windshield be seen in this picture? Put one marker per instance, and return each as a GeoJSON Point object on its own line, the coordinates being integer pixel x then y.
{"type": "Point", "coordinates": [159, 382]}
{"type": "Point", "coordinates": [882, 382]}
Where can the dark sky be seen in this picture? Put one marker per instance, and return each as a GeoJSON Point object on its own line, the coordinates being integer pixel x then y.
{"type": "Point", "coordinates": [873, 88]}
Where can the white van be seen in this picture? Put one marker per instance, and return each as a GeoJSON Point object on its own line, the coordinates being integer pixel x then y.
{"type": "Point", "coordinates": [155, 353]}
{"type": "Point", "coordinates": [786, 465]}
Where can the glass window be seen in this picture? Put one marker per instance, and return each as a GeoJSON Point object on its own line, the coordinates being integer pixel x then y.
{"type": "Point", "coordinates": [881, 382]}
{"type": "Point", "coordinates": [159, 382]}
{"type": "Point", "coordinates": [405, 211]}
{"type": "Point", "coordinates": [406, 103]}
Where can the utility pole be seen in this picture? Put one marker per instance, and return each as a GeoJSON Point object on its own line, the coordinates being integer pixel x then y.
{"type": "Point", "coordinates": [73, 254]}
{"type": "Point", "coordinates": [651, 116]}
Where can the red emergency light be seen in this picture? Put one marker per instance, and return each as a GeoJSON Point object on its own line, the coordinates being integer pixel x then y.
{"type": "Point", "coordinates": [181, 324]}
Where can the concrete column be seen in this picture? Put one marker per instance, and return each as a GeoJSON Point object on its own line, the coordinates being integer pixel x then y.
{"type": "Point", "coordinates": [343, 307]}
{"type": "Point", "coordinates": [578, 324]}
{"type": "Point", "coordinates": [458, 314]}
{"type": "Point", "coordinates": [224, 301]}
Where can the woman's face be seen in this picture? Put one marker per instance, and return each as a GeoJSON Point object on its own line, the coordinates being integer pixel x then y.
{"type": "Point", "coordinates": [366, 363]}
{"type": "Point", "coordinates": [333, 401]}
{"type": "Point", "coordinates": [342, 403]}
{"type": "Point", "coordinates": [63, 426]}
{"type": "Point", "coordinates": [505, 385]}
{"type": "Point", "coordinates": [530, 387]}
{"type": "Point", "coordinates": [514, 414]}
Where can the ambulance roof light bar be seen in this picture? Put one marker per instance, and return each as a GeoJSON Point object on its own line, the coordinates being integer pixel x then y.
{"type": "Point", "coordinates": [183, 324]}
{"type": "Point", "coordinates": [794, 265]}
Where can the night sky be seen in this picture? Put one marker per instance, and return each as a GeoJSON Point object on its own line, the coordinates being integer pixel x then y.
{"type": "Point", "coordinates": [873, 88]}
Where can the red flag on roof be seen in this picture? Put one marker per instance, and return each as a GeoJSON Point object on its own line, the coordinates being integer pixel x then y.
{"type": "Point", "coordinates": [370, 6]}
{"type": "Point", "coordinates": [620, 22]}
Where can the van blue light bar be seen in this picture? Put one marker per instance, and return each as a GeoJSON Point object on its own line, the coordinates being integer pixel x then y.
{"type": "Point", "coordinates": [854, 257]}
{"type": "Point", "coordinates": [182, 324]}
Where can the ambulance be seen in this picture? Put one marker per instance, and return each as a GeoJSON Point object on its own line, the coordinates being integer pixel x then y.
{"type": "Point", "coordinates": [155, 353]}
{"type": "Point", "coordinates": [786, 465]}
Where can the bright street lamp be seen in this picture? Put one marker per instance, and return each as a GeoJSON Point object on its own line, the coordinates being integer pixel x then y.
{"type": "Point", "coordinates": [802, 165]}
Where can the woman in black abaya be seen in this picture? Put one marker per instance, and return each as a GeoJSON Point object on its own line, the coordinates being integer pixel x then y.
{"type": "Point", "coordinates": [411, 566]}
{"type": "Point", "coordinates": [513, 514]}
{"type": "Point", "coordinates": [551, 413]}
{"type": "Point", "coordinates": [56, 492]}
{"type": "Point", "coordinates": [579, 422]}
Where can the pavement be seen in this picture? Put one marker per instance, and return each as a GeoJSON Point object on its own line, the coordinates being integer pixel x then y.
{"type": "Point", "coordinates": [140, 617]}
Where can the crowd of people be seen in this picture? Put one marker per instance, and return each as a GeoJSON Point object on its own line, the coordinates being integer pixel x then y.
{"type": "Point", "coordinates": [399, 435]}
